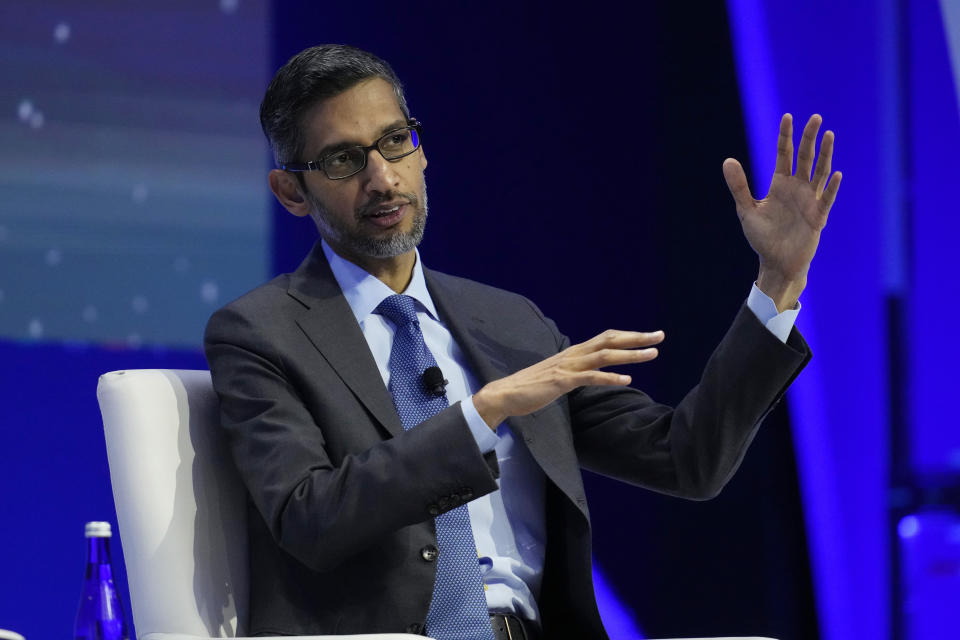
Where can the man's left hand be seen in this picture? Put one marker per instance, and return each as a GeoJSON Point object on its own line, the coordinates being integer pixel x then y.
{"type": "Point", "coordinates": [784, 228]}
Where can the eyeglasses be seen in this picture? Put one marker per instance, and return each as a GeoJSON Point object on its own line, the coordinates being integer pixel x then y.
{"type": "Point", "coordinates": [344, 163]}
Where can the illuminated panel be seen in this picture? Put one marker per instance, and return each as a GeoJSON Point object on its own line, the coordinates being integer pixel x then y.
{"type": "Point", "coordinates": [132, 167]}
{"type": "Point", "coordinates": [834, 59]}
{"type": "Point", "coordinates": [935, 293]}
{"type": "Point", "coordinates": [617, 620]}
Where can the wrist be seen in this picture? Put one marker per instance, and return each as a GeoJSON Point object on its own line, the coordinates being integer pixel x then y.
{"type": "Point", "coordinates": [783, 289]}
{"type": "Point", "coordinates": [484, 401]}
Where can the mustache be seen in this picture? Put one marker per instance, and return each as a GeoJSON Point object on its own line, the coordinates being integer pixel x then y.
{"type": "Point", "coordinates": [378, 201]}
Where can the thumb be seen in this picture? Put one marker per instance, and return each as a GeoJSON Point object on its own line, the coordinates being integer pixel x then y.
{"type": "Point", "coordinates": [737, 183]}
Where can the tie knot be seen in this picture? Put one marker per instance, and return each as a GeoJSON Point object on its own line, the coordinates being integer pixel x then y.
{"type": "Point", "coordinates": [399, 309]}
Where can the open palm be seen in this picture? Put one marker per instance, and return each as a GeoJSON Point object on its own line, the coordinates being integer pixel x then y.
{"type": "Point", "coordinates": [784, 227]}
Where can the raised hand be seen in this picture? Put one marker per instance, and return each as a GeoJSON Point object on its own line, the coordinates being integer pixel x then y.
{"type": "Point", "coordinates": [540, 384]}
{"type": "Point", "coordinates": [784, 228]}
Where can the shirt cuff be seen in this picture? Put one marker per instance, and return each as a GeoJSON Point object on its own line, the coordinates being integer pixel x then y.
{"type": "Point", "coordinates": [779, 324]}
{"type": "Point", "coordinates": [484, 435]}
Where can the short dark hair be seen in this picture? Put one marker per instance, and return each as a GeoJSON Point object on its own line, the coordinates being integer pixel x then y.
{"type": "Point", "coordinates": [311, 76]}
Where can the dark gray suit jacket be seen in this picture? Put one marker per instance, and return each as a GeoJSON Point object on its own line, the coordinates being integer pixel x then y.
{"type": "Point", "coordinates": [342, 499]}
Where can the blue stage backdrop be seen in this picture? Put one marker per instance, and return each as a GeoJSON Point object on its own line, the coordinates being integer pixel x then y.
{"type": "Point", "coordinates": [869, 413]}
{"type": "Point", "coordinates": [575, 157]}
{"type": "Point", "coordinates": [132, 205]}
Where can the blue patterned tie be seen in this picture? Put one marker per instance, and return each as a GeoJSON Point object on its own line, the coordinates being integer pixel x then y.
{"type": "Point", "coordinates": [458, 610]}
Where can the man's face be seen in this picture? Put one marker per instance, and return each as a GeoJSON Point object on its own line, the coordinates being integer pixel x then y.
{"type": "Point", "coordinates": [381, 211]}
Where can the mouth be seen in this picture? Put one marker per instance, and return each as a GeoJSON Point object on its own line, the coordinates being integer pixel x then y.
{"type": "Point", "coordinates": [386, 215]}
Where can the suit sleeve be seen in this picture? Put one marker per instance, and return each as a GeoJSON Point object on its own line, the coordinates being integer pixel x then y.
{"type": "Point", "coordinates": [321, 512]}
{"type": "Point", "coordinates": [691, 450]}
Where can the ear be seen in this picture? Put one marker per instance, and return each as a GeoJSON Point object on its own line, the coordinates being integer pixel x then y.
{"type": "Point", "coordinates": [288, 192]}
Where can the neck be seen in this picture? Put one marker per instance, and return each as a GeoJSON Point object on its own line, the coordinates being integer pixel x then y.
{"type": "Point", "coordinates": [395, 272]}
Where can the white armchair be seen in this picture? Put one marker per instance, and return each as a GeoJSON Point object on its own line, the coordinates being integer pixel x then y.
{"type": "Point", "coordinates": [181, 507]}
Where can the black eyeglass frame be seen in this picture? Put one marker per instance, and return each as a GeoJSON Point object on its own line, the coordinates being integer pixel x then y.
{"type": "Point", "coordinates": [318, 165]}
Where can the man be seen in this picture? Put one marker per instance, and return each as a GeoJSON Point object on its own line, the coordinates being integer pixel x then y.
{"type": "Point", "coordinates": [387, 441]}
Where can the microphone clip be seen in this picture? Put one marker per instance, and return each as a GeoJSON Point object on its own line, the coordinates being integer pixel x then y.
{"type": "Point", "coordinates": [433, 381]}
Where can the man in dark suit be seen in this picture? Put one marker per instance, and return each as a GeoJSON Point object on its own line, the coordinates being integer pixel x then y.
{"type": "Point", "coordinates": [348, 500]}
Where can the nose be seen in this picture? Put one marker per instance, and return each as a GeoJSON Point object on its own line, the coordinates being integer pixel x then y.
{"type": "Point", "coordinates": [380, 174]}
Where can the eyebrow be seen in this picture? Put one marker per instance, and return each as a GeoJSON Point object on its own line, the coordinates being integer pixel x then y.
{"type": "Point", "coordinates": [347, 144]}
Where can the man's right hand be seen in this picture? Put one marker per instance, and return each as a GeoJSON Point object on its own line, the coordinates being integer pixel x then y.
{"type": "Point", "coordinates": [537, 386]}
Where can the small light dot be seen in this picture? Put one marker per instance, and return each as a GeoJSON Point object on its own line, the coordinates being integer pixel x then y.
{"type": "Point", "coordinates": [24, 109]}
{"type": "Point", "coordinates": [134, 341]}
{"type": "Point", "coordinates": [209, 292]}
{"type": "Point", "coordinates": [36, 120]}
{"type": "Point", "coordinates": [140, 304]}
{"type": "Point", "coordinates": [908, 527]}
{"type": "Point", "coordinates": [229, 6]}
{"type": "Point", "coordinates": [140, 193]}
{"type": "Point", "coordinates": [90, 314]}
{"type": "Point", "coordinates": [181, 264]}
{"type": "Point", "coordinates": [61, 32]}
{"type": "Point", "coordinates": [53, 257]}
{"type": "Point", "coordinates": [35, 328]}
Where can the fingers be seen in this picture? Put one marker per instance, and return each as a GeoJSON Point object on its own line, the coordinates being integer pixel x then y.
{"type": "Point", "coordinates": [785, 146]}
{"type": "Point", "coordinates": [827, 191]}
{"type": "Point", "coordinates": [543, 382]}
{"type": "Point", "coordinates": [614, 357]}
{"type": "Point", "coordinates": [824, 161]}
{"type": "Point", "coordinates": [614, 339]}
{"type": "Point", "coordinates": [737, 183]}
{"type": "Point", "coordinates": [601, 378]}
{"type": "Point", "coordinates": [608, 349]}
{"type": "Point", "coordinates": [830, 193]}
{"type": "Point", "coordinates": [807, 147]}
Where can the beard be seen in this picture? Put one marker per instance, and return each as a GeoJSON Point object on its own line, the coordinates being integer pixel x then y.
{"type": "Point", "coordinates": [398, 242]}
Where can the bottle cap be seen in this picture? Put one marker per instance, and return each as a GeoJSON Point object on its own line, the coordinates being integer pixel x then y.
{"type": "Point", "coordinates": [97, 530]}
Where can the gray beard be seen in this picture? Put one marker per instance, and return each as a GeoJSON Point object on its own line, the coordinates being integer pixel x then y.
{"type": "Point", "coordinates": [398, 243]}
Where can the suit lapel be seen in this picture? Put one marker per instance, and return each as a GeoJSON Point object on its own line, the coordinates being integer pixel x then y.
{"type": "Point", "coordinates": [469, 329]}
{"type": "Point", "coordinates": [475, 332]}
{"type": "Point", "coordinates": [332, 328]}
{"type": "Point", "coordinates": [474, 326]}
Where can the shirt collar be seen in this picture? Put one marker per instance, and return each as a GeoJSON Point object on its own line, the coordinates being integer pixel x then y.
{"type": "Point", "coordinates": [364, 292]}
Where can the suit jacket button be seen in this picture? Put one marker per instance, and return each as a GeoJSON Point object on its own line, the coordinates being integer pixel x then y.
{"type": "Point", "coordinates": [415, 628]}
{"type": "Point", "coordinates": [433, 509]}
{"type": "Point", "coordinates": [429, 553]}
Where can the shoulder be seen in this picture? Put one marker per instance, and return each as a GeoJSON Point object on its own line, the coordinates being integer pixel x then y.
{"type": "Point", "coordinates": [259, 308]}
{"type": "Point", "coordinates": [514, 317]}
{"type": "Point", "coordinates": [478, 292]}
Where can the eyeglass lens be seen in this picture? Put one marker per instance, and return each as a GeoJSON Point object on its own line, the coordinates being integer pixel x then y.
{"type": "Point", "coordinates": [392, 146]}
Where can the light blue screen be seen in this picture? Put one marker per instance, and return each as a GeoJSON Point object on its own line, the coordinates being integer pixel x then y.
{"type": "Point", "coordinates": [132, 167]}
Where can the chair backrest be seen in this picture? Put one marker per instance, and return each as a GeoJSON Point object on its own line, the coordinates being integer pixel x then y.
{"type": "Point", "coordinates": [180, 504]}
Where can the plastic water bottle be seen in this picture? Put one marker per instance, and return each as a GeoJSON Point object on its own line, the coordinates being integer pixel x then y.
{"type": "Point", "coordinates": [100, 614]}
